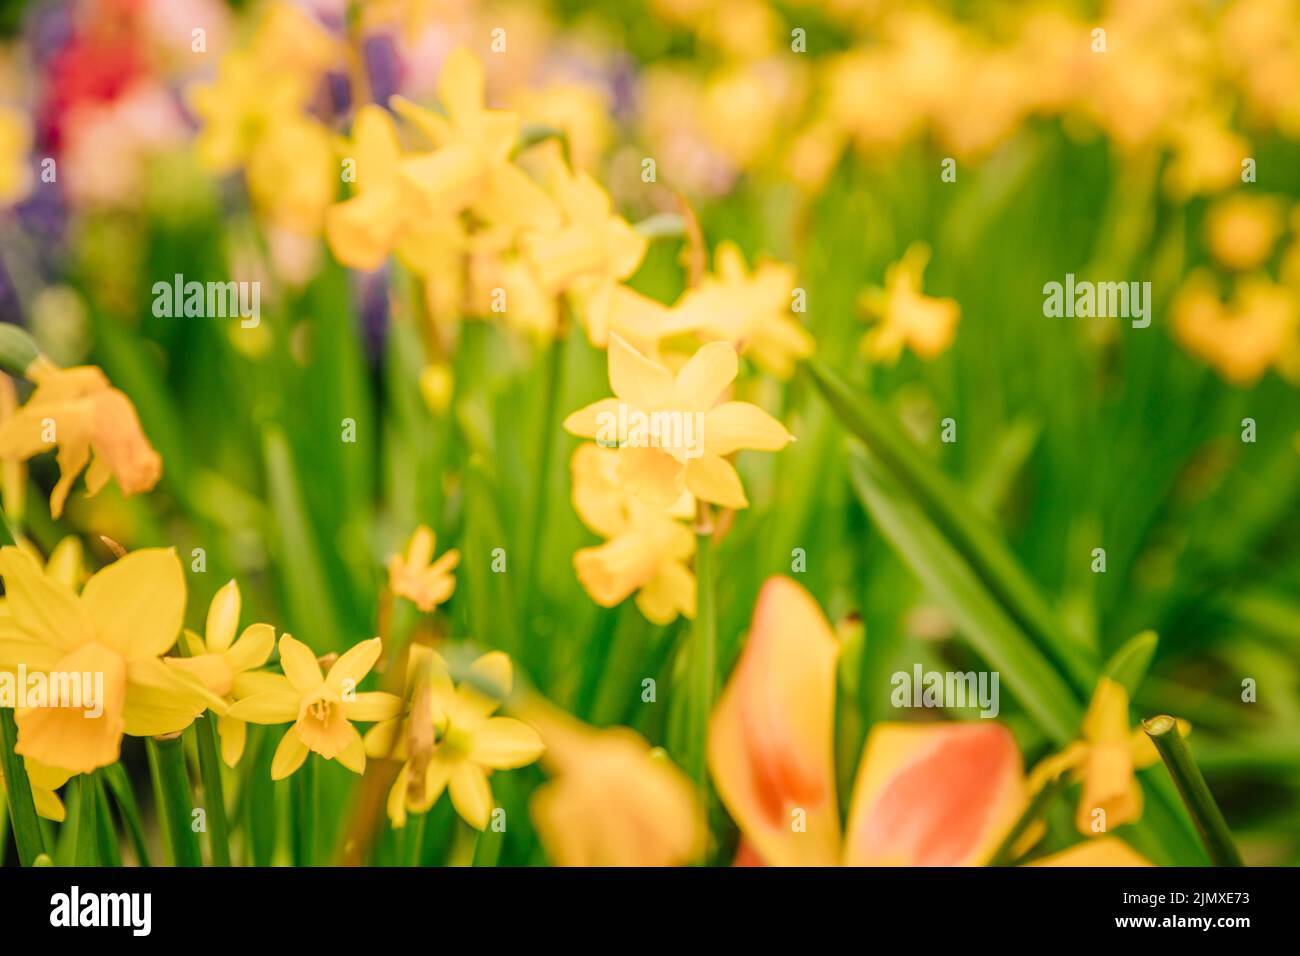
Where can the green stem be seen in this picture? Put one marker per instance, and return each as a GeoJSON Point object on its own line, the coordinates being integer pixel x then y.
{"type": "Point", "coordinates": [415, 840]}
{"type": "Point", "coordinates": [305, 810]}
{"type": "Point", "coordinates": [110, 853]}
{"type": "Point", "coordinates": [1164, 733]}
{"type": "Point", "coordinates": [210, 775]}
{"type": "Point", "coordinates": [120, 786]}
{"type": "Point", "coordinates": [22, 808]}
{"type": "Point", "coordinates": [703, 657]}
{"type": "Point", "coordinates": [1003, 856]}
{"type": "Point", "coordinates": [167, 764]}
{"type": "Point", "coordinates": [86, 841]}
{"type": "Point", "coordinates": [546, 443]}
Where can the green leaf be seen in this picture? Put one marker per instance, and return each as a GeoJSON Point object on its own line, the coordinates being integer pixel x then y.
{"type": "Point", "coordinates": [1128, 665]}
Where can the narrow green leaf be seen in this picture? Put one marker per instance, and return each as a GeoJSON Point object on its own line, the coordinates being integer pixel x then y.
{"type": "Point", "coordinates": [22, 808]}
{"type": "Point", "coordinates": [1129, 665]}
{"type": "Point", "coordinates": [120, 786]}
{"type": "Point", "coordinates": [167, 764]}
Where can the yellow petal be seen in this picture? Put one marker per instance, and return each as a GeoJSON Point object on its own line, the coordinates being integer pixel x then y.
{"type": "Point", "coordinates": [268, 707]}
{"type": "Point", "coordinates": [504, 743]}
{"type": "Point", "coordinates": [289, 756]}
{"type": "Point", "coordinates": [353, 756]}
{"type": "Point", "coordinates": [1103, 851]}
{"type": "Point", "coordinates": [586, 422]}
{"type": "Point", "coordinates": [299, 664]}
{"type": "Point", "coordinates": [635, 379]}
{"type": "Point", "coordinates": [470, 794]}
{"type": "Point", "coordinates": [233, 734]}
{"type": "Point", "coordinates": [460, 86]}
{"type": "Point", "coordinates": [705, 376]}
{"type": "Point", "coordinates": [732, 426]}
{"type": "Point", "coordinates": [160, 700]}
{"type": "Point", "coordinates": [652, 475]}
{"type": "Point", "coordinates": [374, 705]}
{"type": "Point", "coordinates": [351, 669]}
{"type": "Point", "coordinates": [138, 602]}
{"type": "Point", "coordinates": [252, 649]}
{"type": "Point", "coordinates": [770, 747]}
{"type": "Point", "coordinates": [67, 737]}
{"type": "Point", "coordinates": [223, 618]}
{"type": "Point", "coordinates": [714, 479]}
{"type": "Point", "coordinates": [934, 795]}
{"type": "Point", "coordinates": [361, 231]}
{"type": "Point", "coordinates": [44, 609]}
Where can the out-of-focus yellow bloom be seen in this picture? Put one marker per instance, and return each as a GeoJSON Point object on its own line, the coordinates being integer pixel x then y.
{"type": "Point", "coordinates": [1259, 41]}
{"type": "Point", "coordinates": [471, 167]}
{"type": "Point", "coordinates": [290, 39]}
{"type": "Point", "coordinates": [752, 311]}
{"type": "Point", "coordinates": [581, 110]}
{"type": "Point", "coordinates": [647, 549]}
{"type": "Point", "coordinates": [321, 706]}
{"type": "Point", "coordinates": [218, 660]}
{"type": "Point", "coordinates": [127, 616]}
{"type": "Point", "coordinates": [417, 577]}
{"type": "Point", "coordinates": [1242, 230]}
{"type": "Point", "coordinates": [91, 423]}
{"type": "Point", "coordinates": [658, 469]}
{"type": "Point", "coordinates": [45, 783]}
{"type": "Point", "coordinates": [939, 794]}
{"type": "Point", "coordinates": [612, 801]}
{"type": "Point", "coordinates": [905, 316]}
{"type": "Point", "coordinates": [500, 281]}
{"type": "Point", "coordinates": [15, 143]}
{"type": "Point", "coordinates": [13, 471]}
{"type": "Point", "coordinates": [1101, 852]}
{"type": "Point", "coordinates": [1105, 760]}
{"type": "Point", "coordinates": [1240, 341]}
{"type": "Point", "coordinates": [238, 108]}
{"type": "Point", "coordinates": [292, 173]}
{"type": "Point", "coordinates": [1207, 156]}
{"type": "Point", "coordinates": [589, 253]}
{"type": "Point", "coordinates": [452, 740]}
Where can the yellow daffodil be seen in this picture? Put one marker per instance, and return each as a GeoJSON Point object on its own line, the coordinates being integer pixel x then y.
{"type": "Point", "coordinates": [452, 739]}
{"type": "Point", "coordinates": [91, 423]}
{"type": "Point", "coordinates": [647, 548]}
{"type": "Point", "coordinates": [321, 706]}
{"type": "Point", "coordinates": [417, 577]}
{"type": "Point", "coordinates": [589, 253]}
{"type": "Point", "coordinates": [127, 616]}
{"type": "Point", "coordinates": [938, 794]}
{"type": "Point", "coordinates": [1241, 339]}
{"type": "Point", "coordinates": [471, 167]}
{"type": "Point", "coordinates": [686, 452]}
{"type": "Point", "coordinates": [218, 659]}
{"type": "Point", "coordinates": [292, 175]}
{"type": "Point", "coordinates": [1242, 230]}
{"type": "Point", "coordinates": [611, 799]}
{"type": "Point", "coordinates": [1104, 760]}
{"type": "Point", "coordinates": [237, 108]}
{"type": "Point", "coordinates": [15, 144]}
{"type": "Point", "coordinates": [905, 316]}
{"type": "Point", "coordinates": [752, 311]}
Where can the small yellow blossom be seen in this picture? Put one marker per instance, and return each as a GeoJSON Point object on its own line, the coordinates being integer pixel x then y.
{"type": "Point", "coordinates": [1241, 340]}
{"type": "Point", "coordinates": [1242, 231]}
{"type": "Point", "coordinates": [906, 317]}
{"type": "Point", "coordinates": [217, 660]}
{"type": "Point", "coordinates": [1105, 760]}
{"type": "Point", "coordinates": [611, 800]}
{"type": "Point", "coordinates": [15, 143]}
{"type": "Point", "coordinates": [91, 423]}
{"type": "Point", "coordinates": [127, 616]}
{"type": "Point", "coordinates": [658, 470]}
{"type": "Point", "coordinates": [45, 783]}
{"type": "Point", "coordinates": [321, 706]}
{"type": "Point", "coordinates": [752, 311]}
{"type": "Point", "coordinates": [452, 740]}
{"type": "Point", "coordinates": [417, 577]}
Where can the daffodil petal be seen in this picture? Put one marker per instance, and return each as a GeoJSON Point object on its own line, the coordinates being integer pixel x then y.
{"type": "Point", "coordinates": [635, 379]}
{"type": "Point", "coordinates": [137, 602]}
{"type": "Point", "coordinates": [355, 664]}
{"type": "Point", "coordinates": [289, 755]}
{"type": "Point", "coordinates": [373, 705]}
{"type": "Point", "coordinates": [252, 649]}
{"type": "Point", "coordinates": [299, 664]}
{"type": "Point", "coordinates": [715, 479]}
{"type": "Point", "coordinates": [267, 707]}
{"type": "Point", "coordinates": [223, 618]}
{"type": "Point", "coordinates": [732, 426]}
{"type": "Point", "coordinates": [504, 743]}
{"type": "Point", "coordinates": [705, 376]}
{"type": "Point", "coordinates": [43, 608]}
{"type": "Point", "coordinates": [470, 793]}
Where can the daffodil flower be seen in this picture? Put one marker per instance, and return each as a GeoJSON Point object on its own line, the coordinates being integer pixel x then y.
{"type": "Point", "coordinates": [321, 706]}
{"type": "Point", "coordinates": [906, 317]}
{"type": "Point", "coordinates": [658, 474]}
{"type": "Point", "coordinates": [452, 740]}
{"type": "Point", "coordinates": [218, 659]}
{"type": "Point", "coordinates": [589, 253]}
{"type": "Point", "coordinates": [471, 167]}
{"type": "Point", "coordinates": [612, 800]}
{"type": "Point", "coordinates": [647, 548]}
{"type": "Point", "coordinates": [417, 577]}
{"type": "Point", "coordinates": [91, 423]}
{"type": "Point", "coordinates": [752, 311]}
{"type": "Point", "coordinates": [1105, 760]}
{"type": "Point", "coordinates": [127, 616]}
{"type": "Point", "coordinates": [937, 794]}
{"type": "Point", "coordinates": [15, 144]}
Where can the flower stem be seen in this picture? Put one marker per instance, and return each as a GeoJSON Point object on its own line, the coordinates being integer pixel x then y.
{"type": "Point", "coordinates": [546, 443]}
{"type": "Point", "coordinates": [305, 812]}
{"type": "Point", "coordinates": [210, 775]}
{"type": "Point", "coordinates": [167, 764]}
{"type": "Point", "coordinates": [1164, 733]}
{"type": "Point", "coordinates": [703, 655]}
{"type": "Point", "coordinates": [120, 786]}
{"type": "Point", "coordinates": [22, 808]}
{"type": "Point", "coordinates": [86, 843]}
{"type": "Point", "coordinates": [110, 854]}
